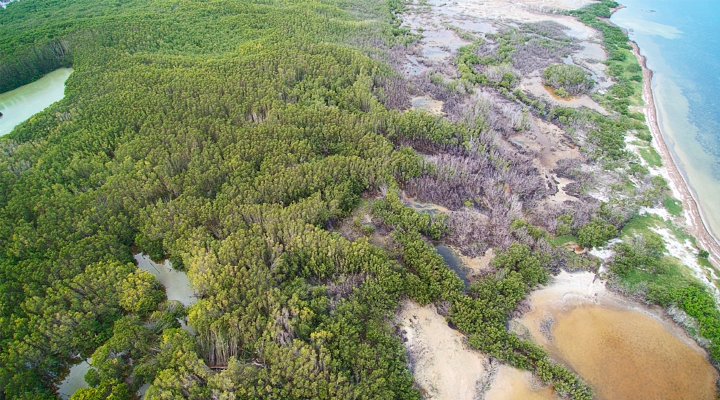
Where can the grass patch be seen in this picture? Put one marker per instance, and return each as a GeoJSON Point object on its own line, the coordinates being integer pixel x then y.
{"type": "Point", "coordinates": [675, 276]}
{"type": "Point", "coordinates": [674, 206]}
{"type": "Point", "coordinates": [651, 156]}
{"type": "Point", "coordinates": [641, 224]}
{"type": "Point", "coordinates": [704, 263]}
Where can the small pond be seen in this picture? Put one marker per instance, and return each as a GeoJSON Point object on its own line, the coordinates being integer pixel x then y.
{"type": "Point", "coordinates": [453, 260]}
{"type": "Point", "coordinates": [75, 379]}
{"type": "Point", "coordinates": [177, 285]}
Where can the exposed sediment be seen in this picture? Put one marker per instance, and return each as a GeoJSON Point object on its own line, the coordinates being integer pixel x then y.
{"type": "Point", "coordinates": [443, 367]}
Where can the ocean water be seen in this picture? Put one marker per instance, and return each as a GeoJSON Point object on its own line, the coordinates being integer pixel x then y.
{"type": "Point", "coordinates": [681, 40]}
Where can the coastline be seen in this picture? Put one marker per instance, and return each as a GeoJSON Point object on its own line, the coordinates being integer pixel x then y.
{"type": "Point", "coordinates": [697, 225]}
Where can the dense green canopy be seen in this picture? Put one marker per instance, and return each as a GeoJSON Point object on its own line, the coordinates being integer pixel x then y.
{"type": "Point", "coordinates": [232, 138]}
{"type": "Point", "coordinates": [223, 135]}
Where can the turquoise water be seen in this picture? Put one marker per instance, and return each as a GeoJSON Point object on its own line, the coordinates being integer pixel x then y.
{"type": "Point", "coordinates": [681, 40]}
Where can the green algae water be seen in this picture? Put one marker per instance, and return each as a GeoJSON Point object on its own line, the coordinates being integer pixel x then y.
{"type": "Point", "coordinates": [19, 105]}
{"type": "Point", "coordinates": [681, 42]}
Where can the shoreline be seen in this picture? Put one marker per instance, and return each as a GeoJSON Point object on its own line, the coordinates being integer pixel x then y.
{"type": "Point", "coordinates": [697, 225]}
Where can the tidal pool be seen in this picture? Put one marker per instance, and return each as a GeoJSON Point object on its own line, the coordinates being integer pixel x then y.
{"type": "Point", "coordinates": [19, 105]}
{"type": "Point", "coordinates": [429, 208]}
{"type": "Point", "coordinates": [622, 349]}
{"type": "Point", "coordinates": [428, 104]}
{"type": "Point", "coordinates": [177, 285]}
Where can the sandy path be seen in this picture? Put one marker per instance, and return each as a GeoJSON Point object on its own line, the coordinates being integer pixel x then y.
{"type": "Point", "coordinates": [697, 225]}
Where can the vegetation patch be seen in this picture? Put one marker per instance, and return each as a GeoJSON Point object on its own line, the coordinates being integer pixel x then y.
{"type": "Point", "coordinates": [650, 156]}
{"type": "Point", "coordinates": [674, 206]}
{"type": "Point", "coordinates": [567, 79]}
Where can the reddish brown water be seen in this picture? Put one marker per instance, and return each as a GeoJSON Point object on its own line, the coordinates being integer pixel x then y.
{"type": "Point", "coordinates": [552, 93]}
{"type": "Point", "coordinates": [626, 354]}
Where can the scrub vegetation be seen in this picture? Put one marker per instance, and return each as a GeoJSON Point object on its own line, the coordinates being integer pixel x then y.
{"type": "Point", "coordinates": [263, 148]}
{"type": "Point", "coordinates": [570, 79]}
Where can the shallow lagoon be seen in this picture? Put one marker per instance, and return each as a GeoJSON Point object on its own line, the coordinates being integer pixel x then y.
{"type": "Point", "coordinates": [623, 349]}
{"type": "Point", "coordinates": [17, 106]}
{"type": "Point", "coordinates": [626, 354]}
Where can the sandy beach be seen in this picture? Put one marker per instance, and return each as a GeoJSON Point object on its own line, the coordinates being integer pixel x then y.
{"type": "Point", "coordinates": [696, 224]}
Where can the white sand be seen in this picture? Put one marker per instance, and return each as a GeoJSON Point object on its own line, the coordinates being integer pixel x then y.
{"type": "Point", "coordinates": [442, 365]}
